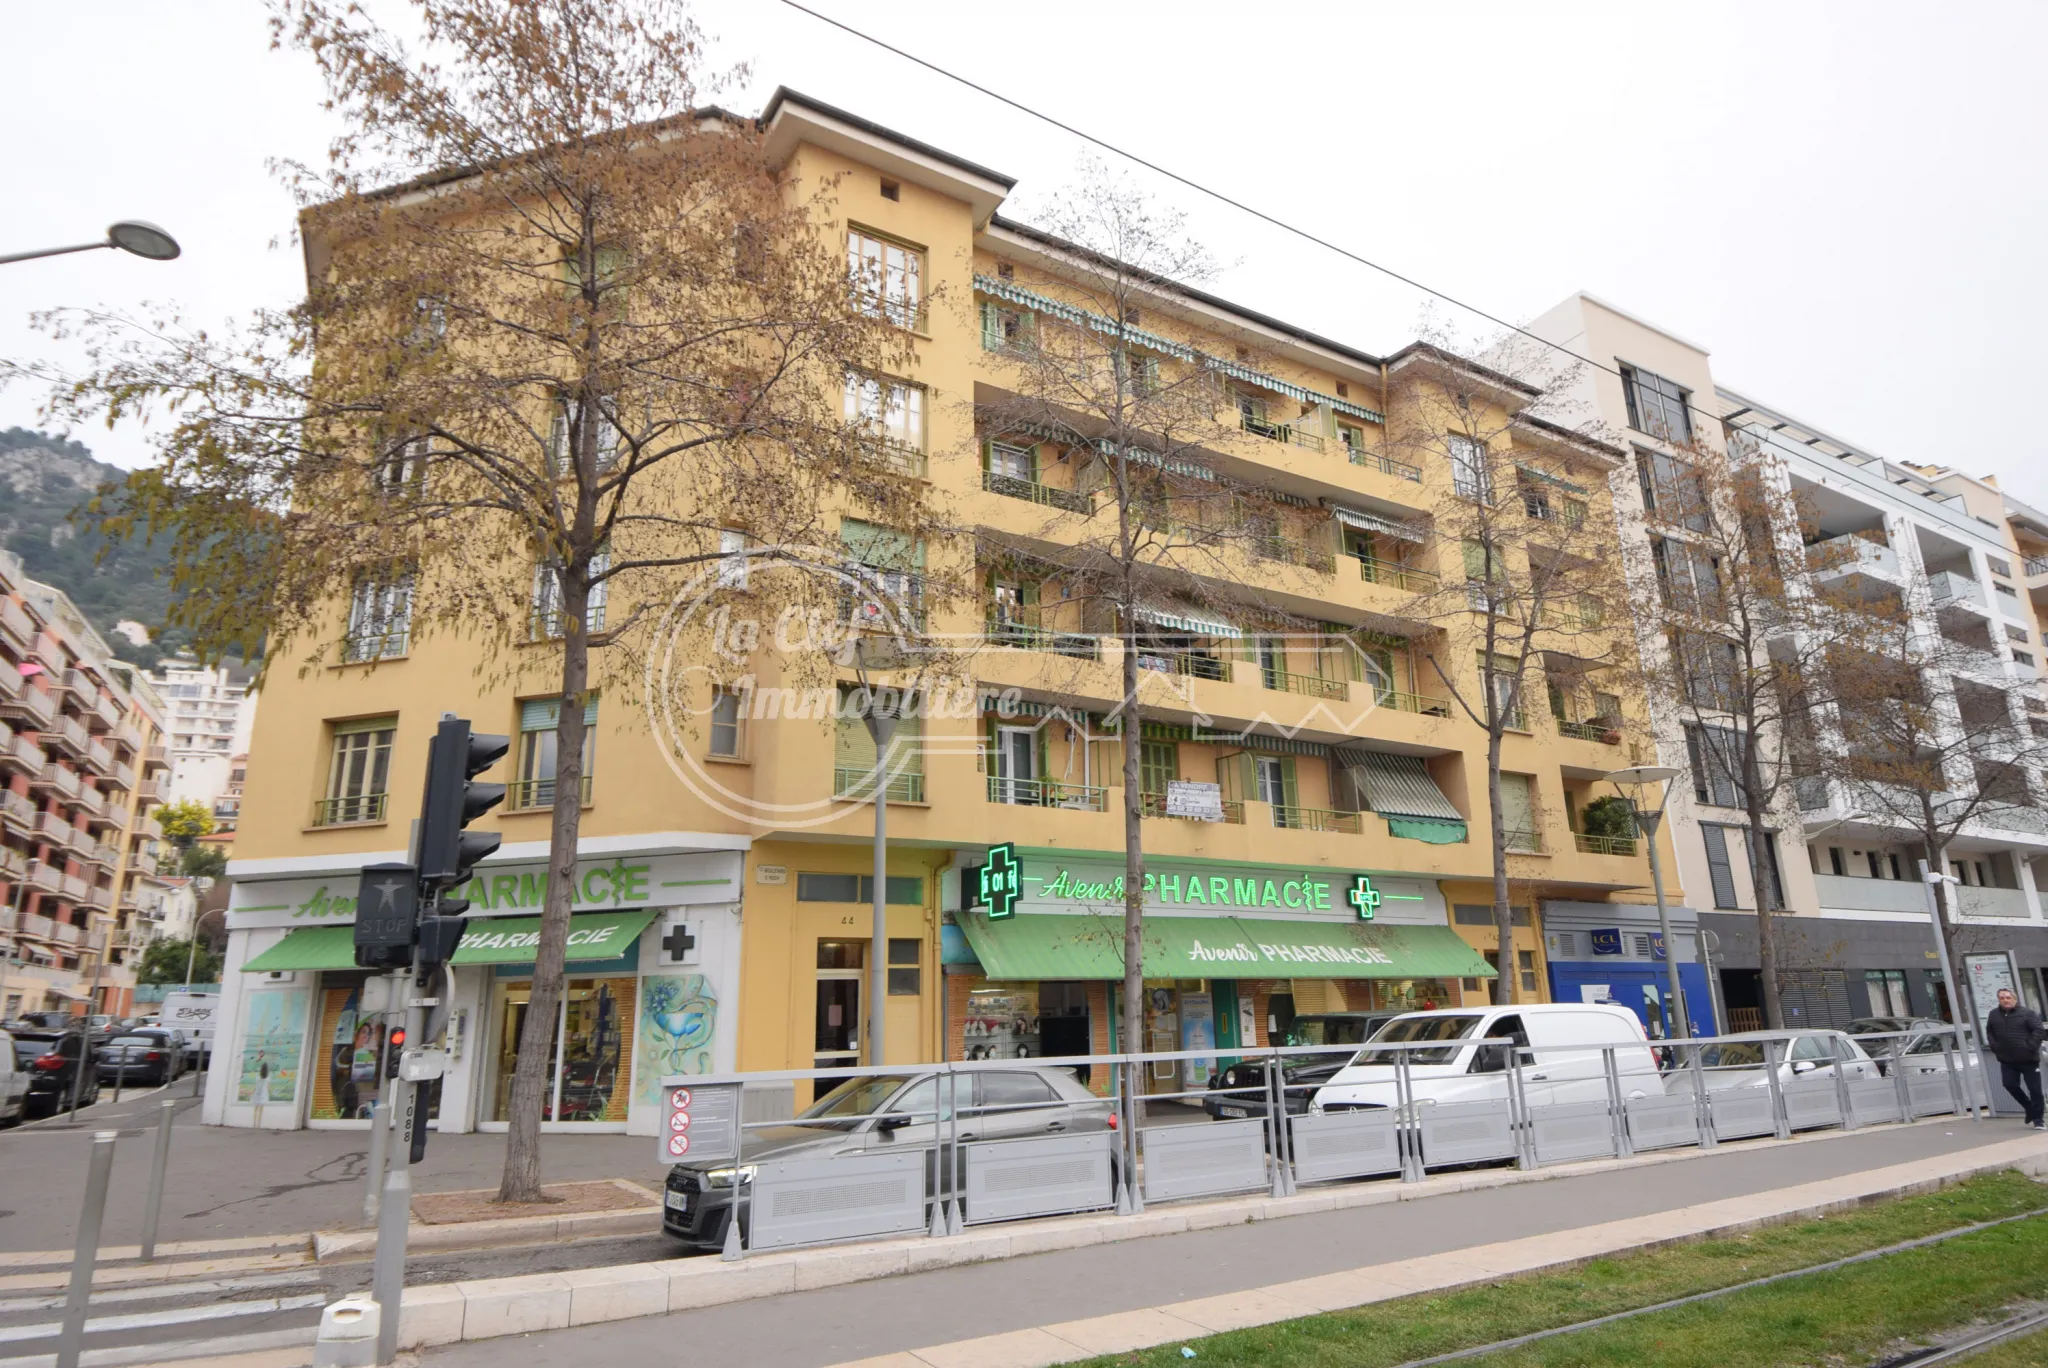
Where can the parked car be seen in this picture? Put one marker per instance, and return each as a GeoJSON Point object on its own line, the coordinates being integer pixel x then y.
{"type": "Point", "coordinates": [13, 1084]}
{"type": "Point", "coordinates": [881, 1112]}
{"type": "Point", "coordinates": [1900, 1034]}
{"type": "Point", "coordinates": [53, 1059]}
{"type": "Point", "coordinates": [1239, 1090]}
{"type": "Point", "coordinates": [143, 1058]}
{"type": "Point", "coordinates": [1738, 1061]}
{"type": "Point", "coordinates": [1561, 1048]}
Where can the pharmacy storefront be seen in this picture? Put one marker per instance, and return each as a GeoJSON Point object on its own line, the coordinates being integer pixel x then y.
{"type": "Point", "coordinates": [1233, 953]}
{"type": "Point", "coordinates": [653, 970]}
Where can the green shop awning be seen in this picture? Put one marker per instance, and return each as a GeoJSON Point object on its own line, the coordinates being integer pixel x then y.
{"type": "Point", "coordinates": [309, 947]}
{"type": "Point", "coordinates": [486, 940]}
{"type": "Point", "coordinates": [1052, 946]}
{"type": "Point", "coordinates": [515, 940]}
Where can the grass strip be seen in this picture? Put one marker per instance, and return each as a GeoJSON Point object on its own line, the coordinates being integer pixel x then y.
{"type": "Point", "coordinates": [1396, 1332]}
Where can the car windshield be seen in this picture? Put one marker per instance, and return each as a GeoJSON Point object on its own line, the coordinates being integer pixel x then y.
{"type": "Point", "coordinates": [1734, 1054]}
{"type": "Point", "coordinates": [132, 1040]}
{"type": "Point", "coordinates": [1328, 1031]}
{"type": "Point", "coordinates": [1410, 1030]}
{"type": "Point", "coordinates": [846, 1105]}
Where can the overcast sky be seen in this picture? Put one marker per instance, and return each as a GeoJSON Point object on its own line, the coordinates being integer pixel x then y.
{"type": "Point", "coordinates": [1844, 203]}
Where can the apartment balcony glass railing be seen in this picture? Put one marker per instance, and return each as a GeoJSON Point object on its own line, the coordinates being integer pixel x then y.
{"type": "Point", "coordinates": [1604, 845]}
{"type": "Point", "coordinates": [861, 784]}
{"type": "Point", "coordinates": [1317, 819]}
{"type": "Point", "coordinates": [1374, 571]}
{"type": "Point", "coordinates": [529, 795]}
{"type": "Point", "coordinates": [1025, 637]}
{"type": "Point", "coordinates": [1310, 686]}
{"type": "Point", "coordinates": [1047, 793]}
{"type": "Point", "coordinates": [365, 807]}
{"type": "Point", "coordinates": [1155, 806]}
{"type": "Point", "coordinates": [1011, 487]}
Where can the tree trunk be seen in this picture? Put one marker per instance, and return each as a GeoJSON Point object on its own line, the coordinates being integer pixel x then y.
{"type": "Point", "coordinates": [1766, 930]}
{"type": "Point", "coordinates": [530, 1081]}
{"type": "Point", "coordinates": [1503, 912]}
{"type": "Point", "coordinates": [1134, 847]}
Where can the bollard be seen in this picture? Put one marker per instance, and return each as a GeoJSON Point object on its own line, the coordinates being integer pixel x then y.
{"type": "Point", "coordinates": [348, 1334]}
{"type": "Point", "coordinates": [99, 1169]}
{"type": "Point", "coordinates": [156, 1179]}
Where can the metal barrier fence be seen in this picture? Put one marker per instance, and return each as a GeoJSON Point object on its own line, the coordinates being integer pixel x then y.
{"type": "Point", "coordinates": [936, 1148]}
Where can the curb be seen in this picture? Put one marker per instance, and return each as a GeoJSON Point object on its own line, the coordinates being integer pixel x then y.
{"type": "Point", "coordinates": [337, 1244]}
{"type": "Point", "coordinates": [485, 1308]}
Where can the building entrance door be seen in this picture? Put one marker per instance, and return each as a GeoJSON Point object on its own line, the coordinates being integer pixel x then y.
{"type": "Point", "coordinates": [836, 1043]}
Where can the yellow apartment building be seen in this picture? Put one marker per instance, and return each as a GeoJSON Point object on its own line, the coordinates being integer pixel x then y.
{"type": "Point", "coordinates": [724, 878]}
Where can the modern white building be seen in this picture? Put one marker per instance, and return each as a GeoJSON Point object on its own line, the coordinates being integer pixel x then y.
{"type": "Point", "coordinates": [211, 716]}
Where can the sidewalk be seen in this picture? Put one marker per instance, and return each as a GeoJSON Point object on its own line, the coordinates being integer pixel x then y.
{"type": "Point", "coordinates": [989, 1304]}
{"type": "Point", "coordinates": [226, 1182]}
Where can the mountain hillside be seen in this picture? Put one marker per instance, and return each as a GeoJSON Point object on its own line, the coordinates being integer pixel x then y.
{"type": "Point", "coordinates": [42, 479]}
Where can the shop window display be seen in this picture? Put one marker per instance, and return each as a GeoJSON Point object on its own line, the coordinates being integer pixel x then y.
{"type": "Point", "coordinates": [355, 1056]}
{"type": "Point", "coordinates": [1002, 1023]}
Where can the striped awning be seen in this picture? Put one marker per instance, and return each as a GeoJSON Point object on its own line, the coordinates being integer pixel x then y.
{"type": "Point", "coordinates": [1293, 391]}
{"type": "Point", "coordinates": [1398, 784]}
{"type": "Point", "coordinates": [1172, 465]}
{"type": "Point", "coordinates": [1260, 741]}
{"type": "Point", "coordinates": [1545, 477]}
{"type": "Point", "coordinates": [1183, 619]}
{"type": "Point", "coordinates": [1369, 522]}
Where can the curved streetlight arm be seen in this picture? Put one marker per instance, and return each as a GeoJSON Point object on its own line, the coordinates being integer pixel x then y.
{"type": "Point", "coordinates": [53, 251]}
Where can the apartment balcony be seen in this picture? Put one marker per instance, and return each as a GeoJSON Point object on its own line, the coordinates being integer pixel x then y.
{"type": "Point", "coordinates": [60, 833]}
{"type": "Point", "coordinates": [859, 784]}
{"type": "Point", "coordinates": [89, 800]}
{"type": "Point", "coordinates": [156, 758]}
{"type": "Point", "coordinates": [1284, 433]}
{"type": "Point", "coordinates": [1049, 496]}
{"type": "Point", "coordinates": [13, 864]}
{"type": "Point", "coordinates": [150, 827]}
{"type": "Point", "coordinates": [108, 817]}
{"type": "Point", "coordinates": [99, 757]}
{"type": "Point", "coordinates": [10, 681]}
{"type": "Point", "coordinates": [1422, 705]}
{"type": "Point", "coordinates": [1993, 902]}
{"type": "Point", "coordinates": [54, 778]}
{"type": "Point", "coordinates": [73, 887]}
{"type": "Point", "coordinates": [521, 795]}
{"type": "Point", "coordinates": [1309, 686]}
{"type": "Point", "coordinates": [17, 811]}
{"type": "Point", "coordinates": [100, 853]}
{"type": "Point", "coordinates": [1288, 551]}
{"type": "Point", "coordinates": [98, 896]}
{"type": "Point", "coordinates": [1952, 591]}
{"type": "Point", "coordinates": [44, 876]}
{"type": "Point", "coordinates": [38, 926]}
{"type": "Point", "coordinates": [1402, 577]}
{"type": "Point", "coordinates": [1317, 819]}
{"type": "Point", "coordinates": [29, 706]}
{"type": "Point", "coordinates": [1604, 845]}
{"type": "Point", "coordinates": [1854, 561]}
{"type": "Point", "coordinates": [2031, 821]}
{"type": "Point", "coordinates": [17, 628]}
{"type": "Point", "coordinates": [150, 790]}
{"type": "Point", "coordinates": [18, 754]}
{"type": "Point", "coordinates": [359, 810]}
{"type": "Point", "coordinates": [1047, 793]}
{"type": "Point", "coordinates": [66, 736]}
{"type": "Point", "coordinates": [121, 776]}
{"type": "Point", "coordinates": [1026, 637]}
{"type": "Point", "coordinates": [1155, 806]}
{"type": "Point", "coordinates": [1871, 895]}
{"type": "Point", "coordinates": [103, 715]}
{"type": "Point", "coordinates": [2034, 570]}
{"type": "Point", "coordinates": [128, 736]}
{"type": "Point", "coordinates": [1606, 733]}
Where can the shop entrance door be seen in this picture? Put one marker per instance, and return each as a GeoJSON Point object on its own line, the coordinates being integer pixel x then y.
{"type": "Point", "coordinates": [587, 1056]}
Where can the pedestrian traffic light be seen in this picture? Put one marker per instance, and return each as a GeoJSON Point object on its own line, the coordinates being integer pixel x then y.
{"type": "Point", "coordinates": [453, 800]}
{"type": "Point", "coordinates": [387, 915]}
{"type": "Point", "coordinates": [438, 936]}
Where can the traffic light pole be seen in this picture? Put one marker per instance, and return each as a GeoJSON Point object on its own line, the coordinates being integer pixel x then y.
{"type": "Point", "coordinates": [394, 1210]}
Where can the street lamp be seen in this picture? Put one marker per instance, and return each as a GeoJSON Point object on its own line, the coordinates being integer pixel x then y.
{"type": "Point", "coordinates": [134, 236]}
{"type": "Point", "coordinates": [879, 653]}
{"type": "Point", "coordinates": [1636, 782]}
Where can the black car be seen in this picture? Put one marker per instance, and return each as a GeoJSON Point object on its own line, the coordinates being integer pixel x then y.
{"type": "Point", "coordinates": [1239, 1091]}
{"type": "Point", "coordinates": [52, 1060]}
{"type": "Point", "coordinates": [141, 1059]}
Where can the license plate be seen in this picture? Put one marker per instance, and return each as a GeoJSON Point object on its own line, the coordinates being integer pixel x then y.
{"type": "Point", "coordinates": [676, 1201]}
{"type": "Point", "coordinates": [1233, 1111]}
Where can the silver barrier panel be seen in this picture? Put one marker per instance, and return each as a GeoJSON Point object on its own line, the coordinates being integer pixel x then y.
{"type": "Point", "coordinates": [1048, 1175]}
{"type": "Point", "coordinates": [1930, 1094]}
{"type": "Point", "coordinates": [1740, 1112]}
{"type": "Point", "coordinates": [1809, 1104]}
{"type": "Point", "coordinates": [1873, 1100]}
{"type": "Point", "coordinates": [1352, 1144]}
{"type": "Point", "coordinates": [1663, 1122]}
{"type": "Point", "coordinates": [1203, 1161]}
{"type": "Point", "coordinates": [847, 1197]}
{"type": "Point", "coordinates": [1572, 1130]}
{"type": "Point", "coordinates": [1467, 1133]}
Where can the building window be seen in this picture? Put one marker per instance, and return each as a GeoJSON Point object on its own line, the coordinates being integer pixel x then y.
{"type": "Point", "coordinates": [379, 617]}
{"type": "Point", "coordinates": [1471, 477]}
{"type": "Point", "coordinates": [732, 565]}
{"type": "Point", "coordinates": [856, 771]}
{"type": "Point", "coordinates": [401, 465]}
{"type": "Point", "coordinates": [358, 772]}
{"type": "Point", "coordinates": [889, 409]}
{"type": "Point", "coordinates": [538, 720]}
{"type": "Point", "coordinates": [547, 597]}
{"type": "Point", "coordinates": [1657, 406]}
{"type": "Point", "coordinates": [905, 890]}
{"type": "Point", "coordinates": [565, 430]}
{"type": "Point", "coordinates": [1004, 329]}
{"type": "Point", "coordinates": [727, 719]}
{"type": "Point", "coordinates": [1671, 490]}
{"type": "Point", "coordinates": [1010, 462]}
{"type": "Point", "coordinates": [1887, 992]}
{"type": "Point", "coordinates": [905, 971]}
{"type": "Point", "coordinates": [887, 278]}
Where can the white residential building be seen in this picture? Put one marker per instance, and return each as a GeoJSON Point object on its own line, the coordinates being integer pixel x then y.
{"type": "Point", "coordinates": [211, 715]}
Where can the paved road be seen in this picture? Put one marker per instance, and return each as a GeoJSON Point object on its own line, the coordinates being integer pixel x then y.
{"type": "Point", "coordinates": [228, 1181]}
{"type": "Point", "coordinates": [832, 1325]}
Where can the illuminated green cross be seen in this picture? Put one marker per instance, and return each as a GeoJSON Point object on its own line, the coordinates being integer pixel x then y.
{"type": "Point", "coordinates": [1363, 896]}
{"type": "Point", "coordinates": [1002, 881]}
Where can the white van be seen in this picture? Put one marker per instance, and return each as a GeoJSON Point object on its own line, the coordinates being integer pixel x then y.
{"type": "Point", "coordinates": [1560, 1045]}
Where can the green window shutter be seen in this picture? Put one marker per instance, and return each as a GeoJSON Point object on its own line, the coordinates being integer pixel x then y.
{"type": "Point", "coordinates": [1234, 776]}
{"type": "Point", "coordinates": [991, 328]}
{"type": "Point", "coordinates": [365, 724]}
{"type": "Point", "coordinates": [852, 747]}
{"type": "Point", "coordinates": [1517, 812]}
{"type": "Point", "coordinates": [544, 714]}
{"type": "Point", "coordinates": [986, 444]}
{"type": "Point", "coordinates": [1287, 787]}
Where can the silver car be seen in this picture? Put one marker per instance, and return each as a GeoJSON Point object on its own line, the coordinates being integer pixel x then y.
{"type": "Point", "coordinates": [1738, 1061]}
{"type": "Point", "coordinates": [897, 1110]}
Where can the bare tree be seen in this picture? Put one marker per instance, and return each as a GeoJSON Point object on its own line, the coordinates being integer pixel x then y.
{"type": "Point", "coordinates": [569, 344]}
{"type": "Point", "coordinates": [1101, 416]}
{"type": "Point", "coordinates": [1737, 637]}
{"type": "Point", "coordinates": [1526, 516]}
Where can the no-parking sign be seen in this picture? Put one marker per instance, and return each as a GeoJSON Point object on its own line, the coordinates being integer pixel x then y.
{"type": "Point", "coordinates": [701, 1121]}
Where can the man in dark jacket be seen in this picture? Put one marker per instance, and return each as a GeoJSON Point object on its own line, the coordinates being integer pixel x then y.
{"type": "Point", "coordinates": [2014, 1034]}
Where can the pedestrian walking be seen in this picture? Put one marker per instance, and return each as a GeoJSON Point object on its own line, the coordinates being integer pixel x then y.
{"type": "Point", "coordinates": [2014, 1034]}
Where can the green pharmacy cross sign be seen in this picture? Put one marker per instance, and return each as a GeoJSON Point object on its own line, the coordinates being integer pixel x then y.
{"type": "Point", "coordinates": [1363, 896]}
{"type": "Point", "coordinates": [1002, 881]}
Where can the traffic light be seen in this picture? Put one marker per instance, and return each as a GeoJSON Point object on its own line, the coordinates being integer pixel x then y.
{"type": "Point", "coordinates": [453, 800]}
{"type": "Point", "coordinates": [439, 935]}
{"type": "Point", "coordinates": [387, 915]}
